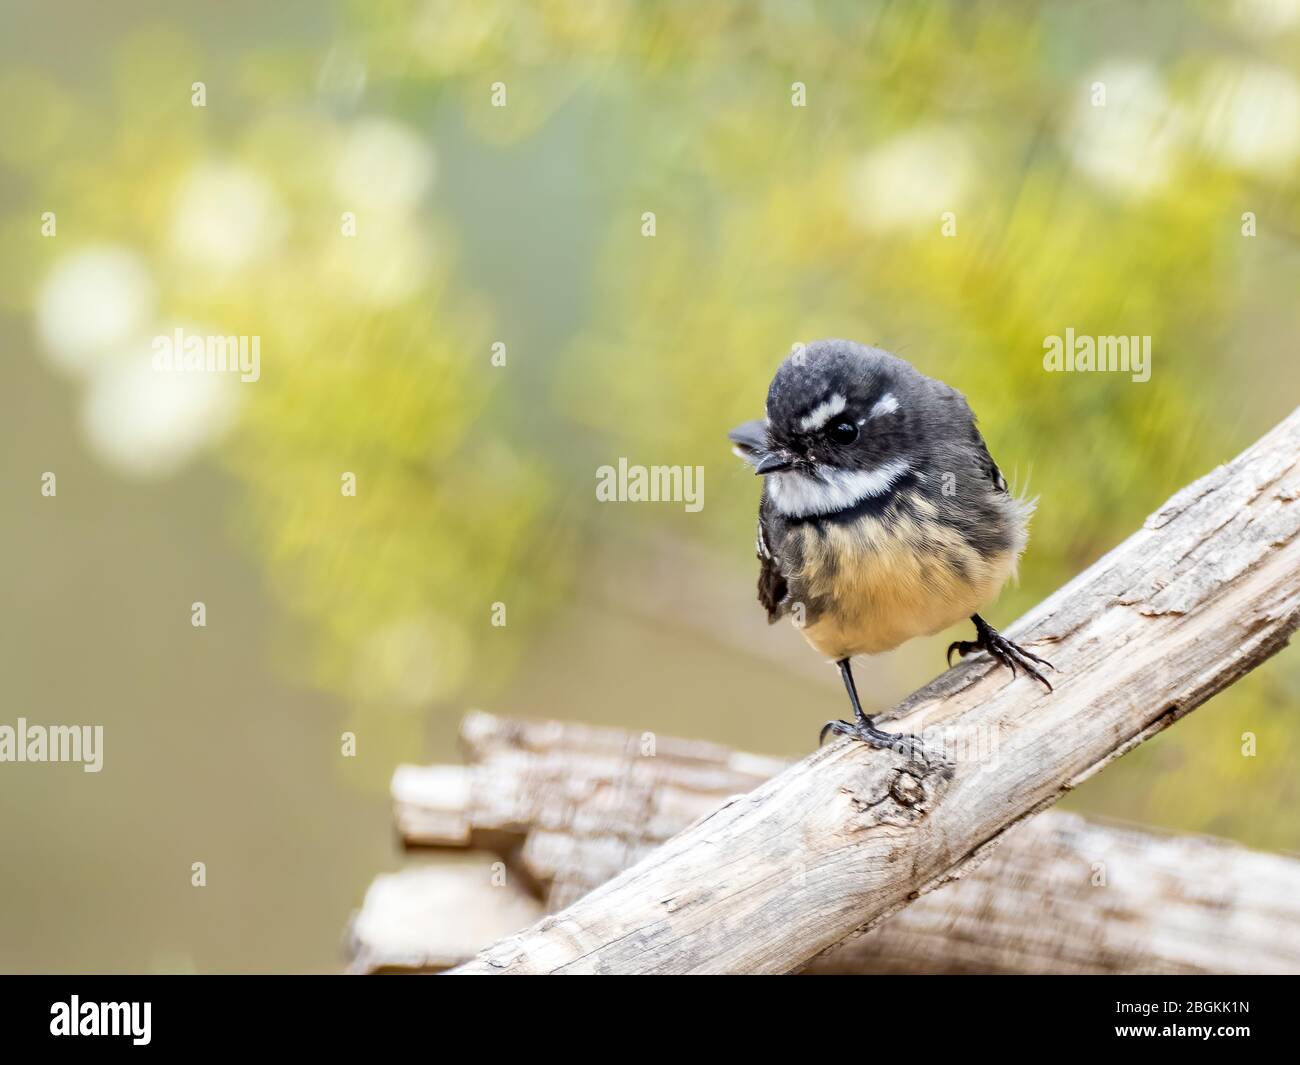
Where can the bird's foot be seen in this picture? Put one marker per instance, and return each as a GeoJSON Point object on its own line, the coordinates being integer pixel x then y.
{"type": "Point", "coordinates": [1006, 652]}
{"type": "Point", "coordinates": [865, 732]}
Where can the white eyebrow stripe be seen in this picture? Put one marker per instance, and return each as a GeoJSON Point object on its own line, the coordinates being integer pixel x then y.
{"type": "Point", "coordinates": [886, 404]}
{"type": "Point", "coordinates": [822, 413]}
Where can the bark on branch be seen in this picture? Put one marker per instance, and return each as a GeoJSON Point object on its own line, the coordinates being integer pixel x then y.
{"type": "Point", "coordinates": [1204, 592]}
{"type": "Point", "coordinates": [569, 806]}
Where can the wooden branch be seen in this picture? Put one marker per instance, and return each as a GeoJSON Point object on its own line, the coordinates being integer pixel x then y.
{"type": "Point", "coordinates": [1204, 592]}
{"type": "Point", "coordinates": [1062, 895]}
{"type": "Point", "coordinates": [435, 915]}
{"type": "Point", "coordinates": [570, 806]}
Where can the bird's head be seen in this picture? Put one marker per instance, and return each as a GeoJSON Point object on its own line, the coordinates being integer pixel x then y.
{"type": "Point", "coordinates": [836, 429]}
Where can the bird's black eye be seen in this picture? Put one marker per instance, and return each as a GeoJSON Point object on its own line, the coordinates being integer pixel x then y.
{"type": "Point", "coordinates": [842, 433]}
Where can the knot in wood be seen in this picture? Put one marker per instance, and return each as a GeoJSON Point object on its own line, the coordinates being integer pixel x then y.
{"type": "Point", "coordinates": [907, 790]}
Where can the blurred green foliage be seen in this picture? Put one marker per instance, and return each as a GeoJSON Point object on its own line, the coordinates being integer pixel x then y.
{"type": "Point", "coordinates": [775, 224]}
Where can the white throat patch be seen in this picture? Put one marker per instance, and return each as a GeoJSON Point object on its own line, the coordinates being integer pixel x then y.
{"type": "Point", "coordinates": [796, 495]}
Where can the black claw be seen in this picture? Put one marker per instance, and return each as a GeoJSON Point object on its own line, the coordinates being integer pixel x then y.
{"type": "Point", "coordinates": [866, 733]}
{"type": "Point", "coordinates": [1002, 649]}
{"type": "Point", "coordinates": [864, 729]}
{"type": "Point", "coordinates": [962, 647]}
{"type": "Point", "coordinates": [1035, 658]}
{"type": "Point", "coordinates": [1012, 654]}
{"type": "Point", "coordinates": [873, 737]}
{"type": "Point", "coordinates": [1038, 676]}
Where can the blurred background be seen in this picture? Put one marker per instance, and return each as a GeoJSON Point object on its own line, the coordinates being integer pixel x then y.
{"type": "Point", "coordinates": [497, 325]}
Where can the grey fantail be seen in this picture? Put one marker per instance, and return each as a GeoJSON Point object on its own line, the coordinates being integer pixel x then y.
{"type": "Point", "coordinates": [883, 516]}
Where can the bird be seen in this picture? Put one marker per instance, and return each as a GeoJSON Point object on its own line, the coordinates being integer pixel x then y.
{"type": "Point", "coordinates": [883, 516]}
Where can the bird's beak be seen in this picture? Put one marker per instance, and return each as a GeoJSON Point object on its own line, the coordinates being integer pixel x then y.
{"type": "Point", "coordinates": [774, 462]}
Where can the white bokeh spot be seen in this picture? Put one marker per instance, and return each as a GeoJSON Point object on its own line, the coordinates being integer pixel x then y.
{"type": "Point", "coordinates": [383, 165]}
{"type": "Point", "coordinates": [1249, 117]}
{"type": "Point", "coordinates": [1130, 145]}
{"type": "Point", "coordinates": [226, 216]}
{"type": "Point", "coordinates": [143, 422]}
{"type": "Point", "coordinates": [93, 304]}
{"type": "Point", "coordinates": [909, 181]}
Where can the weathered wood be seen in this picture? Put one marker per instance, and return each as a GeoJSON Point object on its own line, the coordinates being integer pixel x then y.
{"type": "Point", "coordinates": [1064, 895]}
{"type": "Point", "coordinates": [433, 916]}
{"type": "Point", "coordinates": [1204, 592]}
{"type": "Point", "coordinates": [570, 806]}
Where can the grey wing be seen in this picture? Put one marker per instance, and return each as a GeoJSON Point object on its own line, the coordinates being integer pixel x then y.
{"type": "Point", "coordinates": [986, 464]}
{"type": "Point", "coordinates": [1001, 520]}
{"type": "Point", "coordinates": [773, 590]}
{"type": "Point", "coordinates": [957, 409]}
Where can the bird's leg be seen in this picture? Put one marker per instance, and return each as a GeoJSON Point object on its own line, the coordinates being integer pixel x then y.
{"type": "Point", "coordinates": [1009, 654]}
{"type": "Point", "coordinates": [863, 728]}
